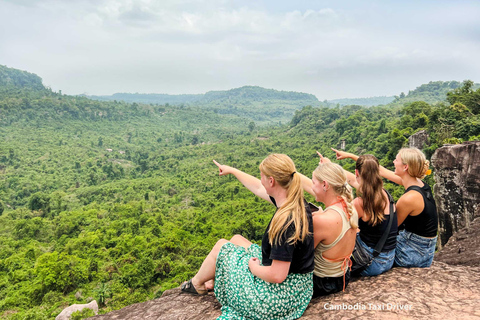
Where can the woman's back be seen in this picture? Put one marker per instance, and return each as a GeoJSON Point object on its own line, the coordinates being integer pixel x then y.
{"type": "Point", "coordinates": [371, 234]}
{"type": "Point", "coordinates": [338, 242]}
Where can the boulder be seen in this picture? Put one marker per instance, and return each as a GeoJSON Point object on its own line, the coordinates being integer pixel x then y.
{"type": "Point", "coordinates": [457, 187]}
{"type": "Point", "coordinates": [418, 139]}
{"type": "Point", "coordinates": [67, 312]}
{"type": "Point", "coordinates": [463, 248]}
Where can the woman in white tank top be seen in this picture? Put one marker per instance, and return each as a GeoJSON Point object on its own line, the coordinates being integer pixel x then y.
{"type": "Point", "coordinates": [334, 228]}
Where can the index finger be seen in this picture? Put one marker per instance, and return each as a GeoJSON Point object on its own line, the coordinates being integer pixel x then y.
{"type": "Point", "coordinates": [216, 163]}
{"type": "Point", "coordinates": [320, 155]}
{"type": "Point", "coordinates": [335, 150]}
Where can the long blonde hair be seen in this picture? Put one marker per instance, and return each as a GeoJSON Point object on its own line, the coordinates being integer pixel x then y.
{"type": "Point", "coordinates": [337, 179]}
{"type": "Point", "coordinates": [416, 161]}
{"type": "Point", "coordinates": [281, 168]}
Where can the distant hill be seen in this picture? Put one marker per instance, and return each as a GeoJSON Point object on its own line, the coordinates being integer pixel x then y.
{"type": "Point", "coordinates": [256, 103]}
{"type": "Point", "coordinates": [258, 93]}
{"type": "Point", "coordinates": [432, 92]}
{"type": "Point", "coordinates": [153, 98]}
{"type": "Point", "coordinates": [367, 102]}
{"type": "Point", "coordinates": [267, 106]}
{"type": "Point", "coordinates": [246, 92]}
{"type": "Point", "coordinates": [13, 78]}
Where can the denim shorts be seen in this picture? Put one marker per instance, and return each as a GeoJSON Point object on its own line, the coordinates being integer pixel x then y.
{"type": "Point", "coordinates": [381, 263]}
{"type": "Point", "coordinates": [413, 250]}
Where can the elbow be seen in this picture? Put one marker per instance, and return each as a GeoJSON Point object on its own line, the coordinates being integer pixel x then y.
{"type": "Point", "coordinates": [279, 278]}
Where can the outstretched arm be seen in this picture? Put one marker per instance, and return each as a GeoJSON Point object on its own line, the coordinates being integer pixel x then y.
{"type": "Point", "coordinates": [384, 172]}
{"type": "Point", "coordinates": [250, 182]}
{"type": "Point", "coordinates": [344, 155]}
{"type": "Point", "coordinates": [351, 179]}
{"type": "Point", "coordinates": [306, 183]}
{"type": "Point", "coordinates": [390, 175]}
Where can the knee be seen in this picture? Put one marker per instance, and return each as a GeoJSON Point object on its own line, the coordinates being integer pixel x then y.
{"type": "Point", "coordinates": [220, 243]}
{"type": "Point", "coordinates": [216, 248]}
{"type": "Point", "coordinates": [237, 237]}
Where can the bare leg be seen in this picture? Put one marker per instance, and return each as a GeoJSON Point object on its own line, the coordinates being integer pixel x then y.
{"type": "Point", "coordinates": [207, 270]}
{"type": "Point", "coordinates": [237, 240]}
{"type": "Point", "coordinates": [240, 241]}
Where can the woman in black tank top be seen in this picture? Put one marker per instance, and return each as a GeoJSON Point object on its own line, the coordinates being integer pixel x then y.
{"type": "Point", "coordinates": [373, 208]}
{"type": "Point", "coordinates": [416, 208]}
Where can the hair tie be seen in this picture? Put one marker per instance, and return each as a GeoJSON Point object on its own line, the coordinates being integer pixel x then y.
{"type": "Point", "coordinates": [292, 174]}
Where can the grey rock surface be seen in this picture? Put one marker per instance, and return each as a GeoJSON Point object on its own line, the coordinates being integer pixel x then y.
{"type": "Point", "coordinates": [463, 248]}
{"type": "Point", "coordinates": [440, 292]}
{"type": "Point", "coordinates": [457, 186]}
{"type": "Point", "coordinates": [67, 312]}
{"type": "Point", "coordinates": [418, 139]}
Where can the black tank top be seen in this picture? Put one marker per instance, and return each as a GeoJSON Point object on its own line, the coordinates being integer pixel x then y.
{"type": "Point", "coordinates": [370, 235]}
{"type": "Point", "coordinates": [426, 223]}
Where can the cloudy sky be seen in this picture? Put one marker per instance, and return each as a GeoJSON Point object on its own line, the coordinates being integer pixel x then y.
{"type": "Point", "coordinates": [333, 49]}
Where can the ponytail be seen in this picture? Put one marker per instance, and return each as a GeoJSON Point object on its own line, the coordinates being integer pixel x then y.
{"type": "Point", "coordinates": [282, 169]}
{"type": "Point", "coordinates": [370, 190]}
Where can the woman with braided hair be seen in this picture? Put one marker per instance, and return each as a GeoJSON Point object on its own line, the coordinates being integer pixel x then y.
{"type": "Point", "coordinates": [416, 210]}
{"type": "Point", "coordinates": [273, 281]}
{"type": "Point", "coordinates": [335, 228]}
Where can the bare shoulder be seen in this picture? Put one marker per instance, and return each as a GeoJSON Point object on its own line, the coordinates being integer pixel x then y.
{"type": "Point", "coordinates": [410, 200]}
{"type": "Point", "coordinates": [358, 205]}
{"type": "Point", "coordinates": [328, 216]}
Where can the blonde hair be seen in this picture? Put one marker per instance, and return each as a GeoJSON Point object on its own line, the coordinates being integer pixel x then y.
{"type": "Point", "coordinates": [337, 179]}
{"type": "Point", "coordinates": [416, 161]}
{"type": "Point", "coordinates": [281, 168]}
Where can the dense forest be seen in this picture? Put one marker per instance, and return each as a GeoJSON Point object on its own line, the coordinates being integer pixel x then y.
{"type": "Point", "coordinates": [120, 201]}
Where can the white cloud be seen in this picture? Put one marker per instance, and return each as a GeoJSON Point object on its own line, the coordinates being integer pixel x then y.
{"type": "Point", "coordinates": [334, 51]}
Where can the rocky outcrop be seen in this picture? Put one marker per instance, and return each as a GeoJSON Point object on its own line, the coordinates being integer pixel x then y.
{"type": "Point", "coordinates": [449, 289]}
{"type": "Point", "coordinates": [443, 291]}
{"type": "Point", "coordinates": [457, 187]}
{"type": "Point", "coordinates": [418, 139]}
{"type": "Point", "coordinates": [67, 312]}
{"type": "Point", "coordinates": [431, 293]}
{"type": "Point", "coordinates": [463, 248]}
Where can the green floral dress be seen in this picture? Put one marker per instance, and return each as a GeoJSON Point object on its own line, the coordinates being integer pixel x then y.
{"type": "Point", "coordinates": [245, 296]}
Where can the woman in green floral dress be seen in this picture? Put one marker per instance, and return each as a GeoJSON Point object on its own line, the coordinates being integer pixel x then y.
{"type": "Point", "coordinates": [274, 281]}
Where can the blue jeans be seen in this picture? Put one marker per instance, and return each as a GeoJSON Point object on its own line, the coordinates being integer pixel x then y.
{"type": "Point", "coordinates": [413, 250]}
{"type": "Point", "coordinates": [381, 263]}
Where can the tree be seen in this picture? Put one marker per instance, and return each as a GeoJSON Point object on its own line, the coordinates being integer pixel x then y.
{"type": "Point", "coordinates": [39, 201]}
{"type": "Point", "coordinates": [415, 108]}
{"type": "Point", "coordinates": [195, 140]}
{"type": "Point", "coordinates": [60, 271]}
{"type": "Point", "coordinates": [467, 96]}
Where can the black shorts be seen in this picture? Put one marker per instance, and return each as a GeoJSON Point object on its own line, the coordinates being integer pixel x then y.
{"type": "Point", "coordinates": [328, 285]}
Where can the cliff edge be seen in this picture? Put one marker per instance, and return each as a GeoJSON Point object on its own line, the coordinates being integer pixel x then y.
{"type": "Point", "coordinates": [445, 290]}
